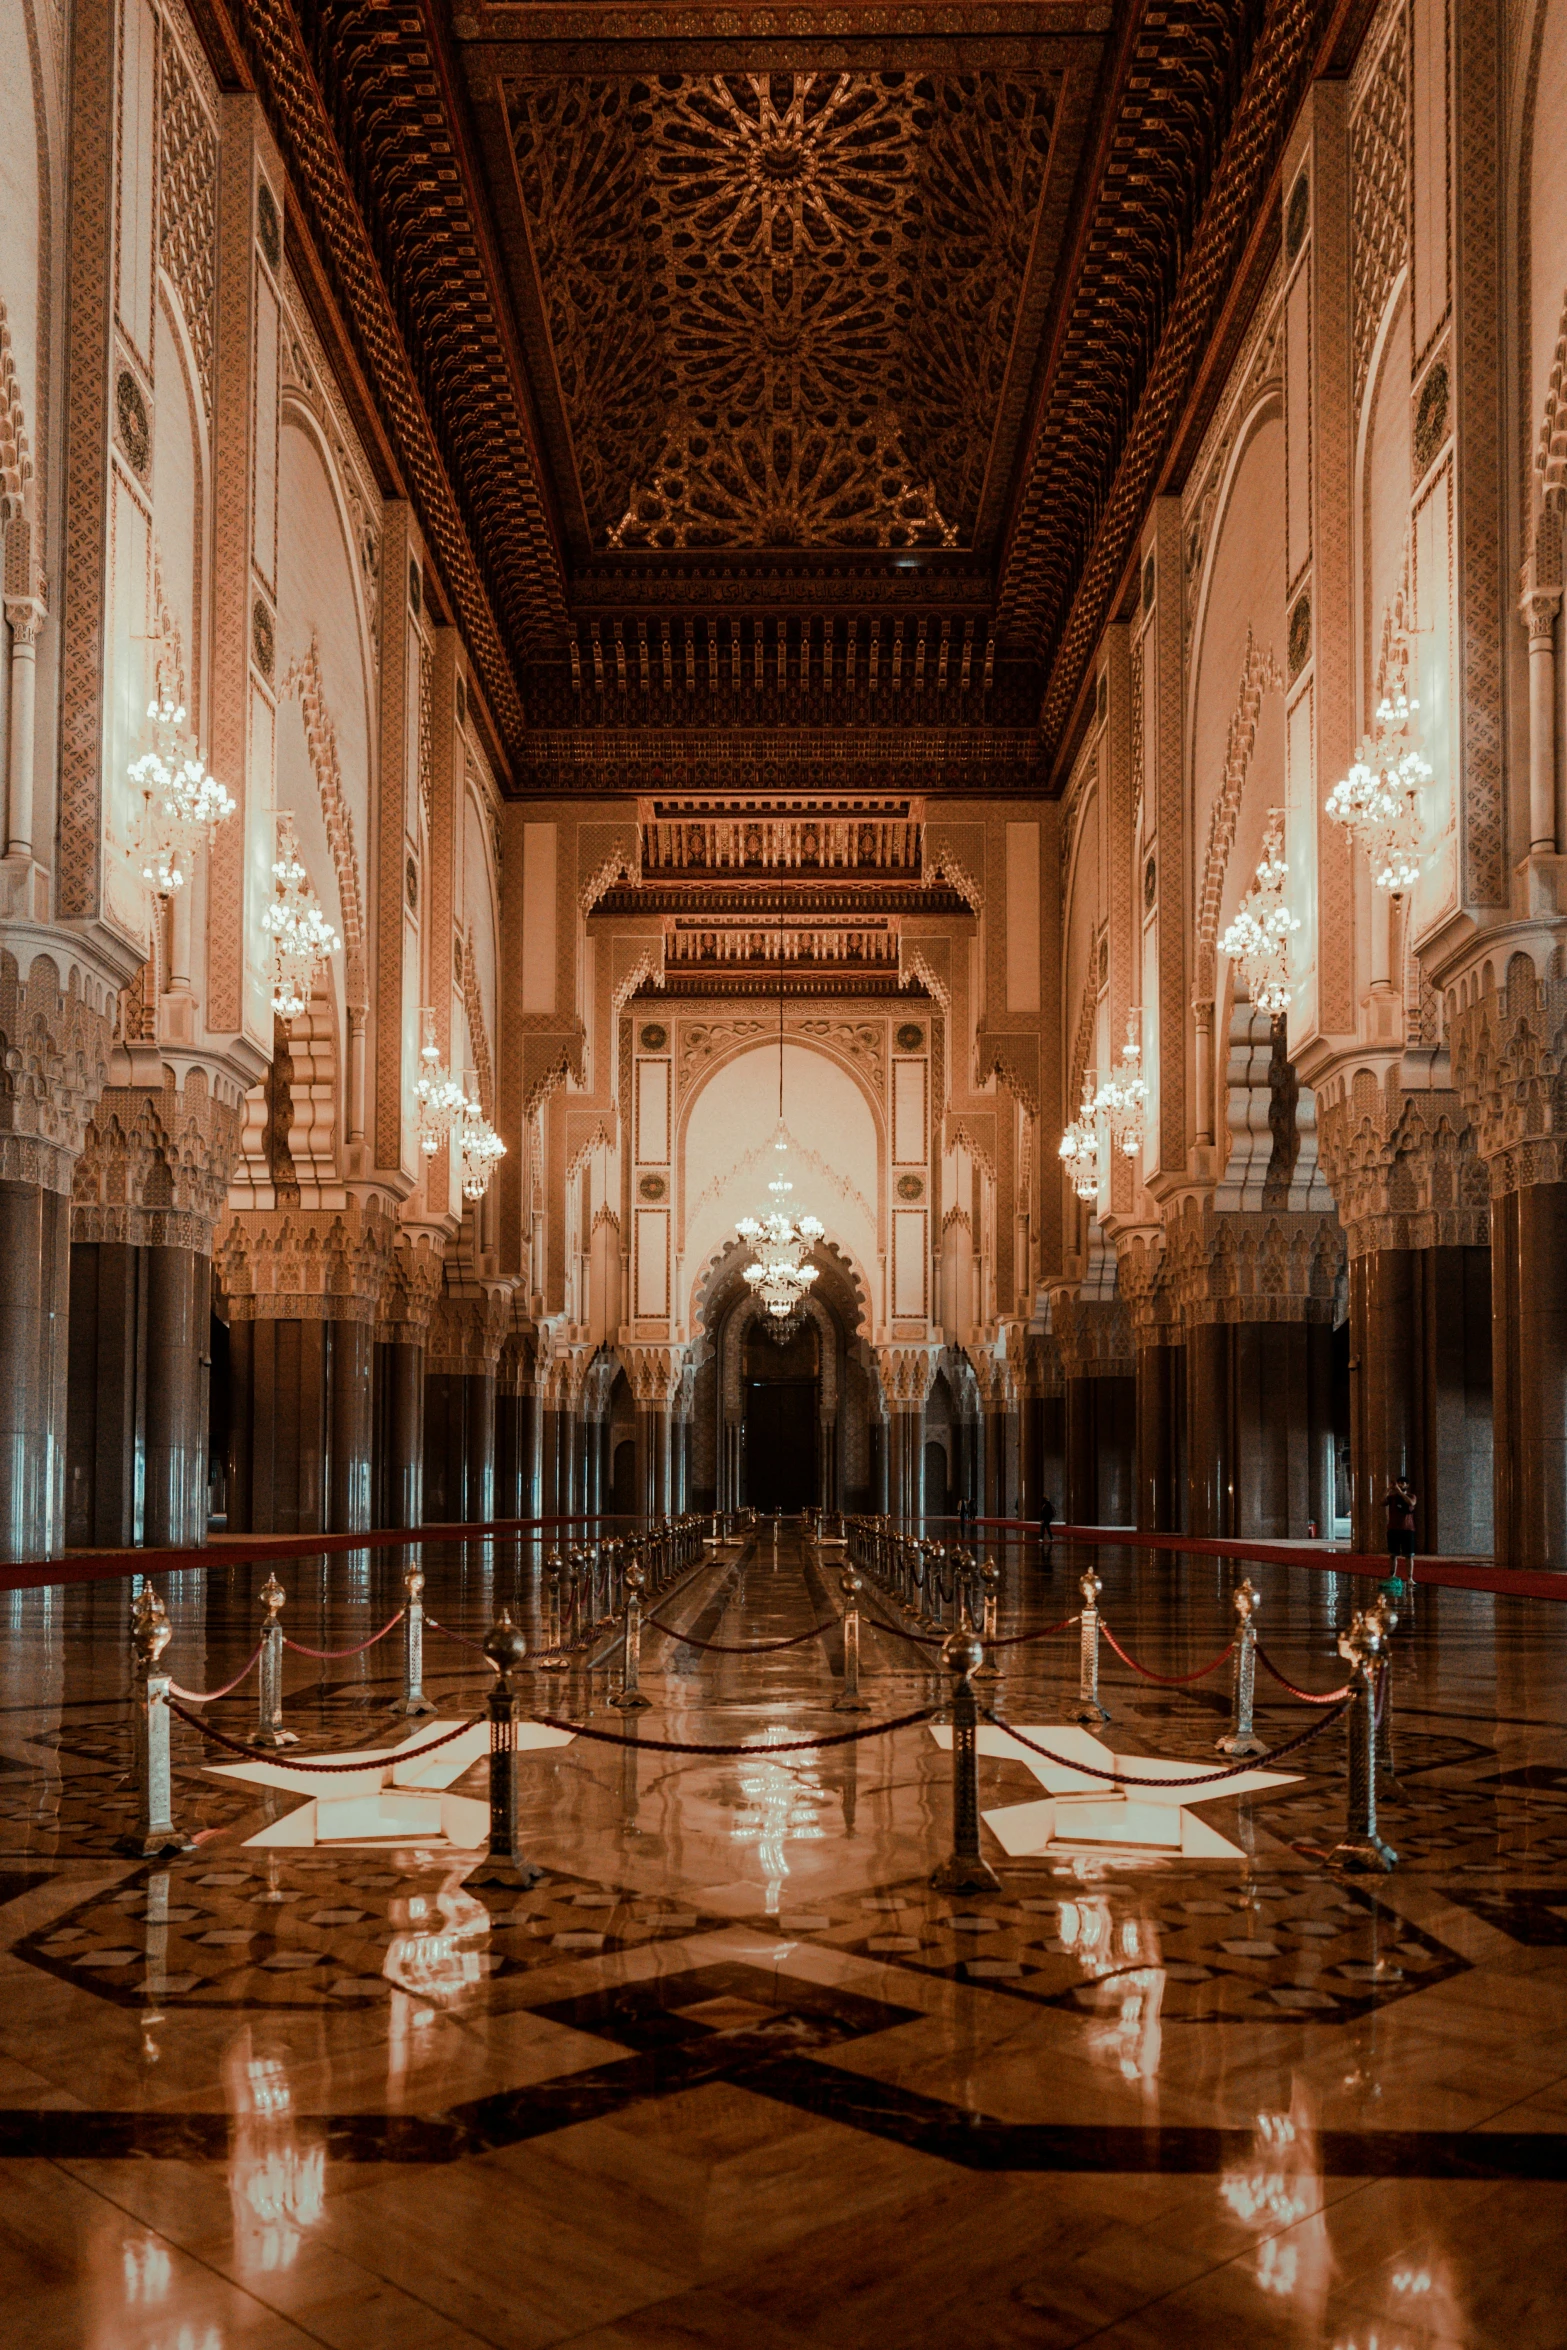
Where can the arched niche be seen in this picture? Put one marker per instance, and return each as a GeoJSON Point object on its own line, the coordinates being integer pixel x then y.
{"type": "Point", "coordinates": [725, 1153]}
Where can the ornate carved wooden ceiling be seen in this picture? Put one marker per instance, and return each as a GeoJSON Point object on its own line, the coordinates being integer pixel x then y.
{"type": "Point", "coordinates": [678, 306]}
{"type": "Point", "coordinates": [782, 307]}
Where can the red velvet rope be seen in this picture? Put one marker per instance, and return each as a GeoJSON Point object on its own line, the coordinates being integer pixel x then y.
{"type": "Point", "coordinates": [753, 1753]}
{"type": "Point", "coordinates": [210, 1696]}
{"type": "Point", "coordinates": [332, 1654]}
{"type": "Point", "coordinates": [1306, 1696]}
{"type": "Point", "coordinates": [752, 1648]}
{"type": "Point", "coordinates": [391, 1754]}
{"type": "Point", "coordinates": [1165, 1680]}
{"type": "Point", "coordinates": [1126, 1779]}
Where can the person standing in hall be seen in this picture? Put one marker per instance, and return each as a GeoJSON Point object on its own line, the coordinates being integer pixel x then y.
{"type": "Point", "coordinates": [1400, 1507]}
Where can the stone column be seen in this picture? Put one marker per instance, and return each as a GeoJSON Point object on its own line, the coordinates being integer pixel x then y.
{"type": "Point", "coordinates": [1160, 1357]}
{"type": "Point", "coordinates": [460, 1372]}
{"type": "Point", "coordinates": [303, 1289]}
{"type": "Point", "coordinates": [907, 1374]}
{"type": "Point", "coordinates": [1414, 1200]}
{"type": "Point", "coordinates": [1258, 1294]}
{"type": "Point", "coordinates": [1099, 1410]}
{"type": "Point", "coordinates": [54, 1054]}
{"type": "Point", "coordinates": [147, 1193]}
{"type": "Point", "coordinates": [1507, 1045]}
{"type": "Point", "coordinates": [516, 1429]}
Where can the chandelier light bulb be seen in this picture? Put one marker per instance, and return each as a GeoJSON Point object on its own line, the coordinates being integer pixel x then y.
{"type": "Point", "coordinates": [182, 805]}
{"type": "Point", "coordinates": [440, 1101]}
{"type": "Point", "coordinates": [302, 937]}
{"type": "Point", "coordinates": [1379, 800]}
{"type": "Point", "coordinates": [778, 1272]}
{"type": "Point", "coordinates": [482, 1147]}
{"type": "Point", "coordinates": [1122, 1100]}
{"type": "Point", "coordinates": [1257, 941]}
{"type": "Point", "coordinates": [1079, 1146]}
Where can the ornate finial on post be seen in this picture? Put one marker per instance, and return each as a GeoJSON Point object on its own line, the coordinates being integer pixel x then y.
{"type": "Point", "coordinates": [154, 1831]}
{"type": "Point", "coordinates": [850, 1701]}
{"type": "Point", "coordinates": [269, 1733]}
{"type": "Point", "coordinates": [628, 1698]}
{"type": "Point", "coordinates": [989, 1576]}
{"type": "Point", "coordinates": [1241, 1738]}
{"type": "Point", "coordinates": [1360, 1846]}
{"type": "Point", "coordinates": [507, 1650]}
{"type": "Point", "coordinates": [413, 1700]}
{"type": "Point", "coordinates": [1088, 1708]}
{"type": "Point", "coordinates": [967, 1871]}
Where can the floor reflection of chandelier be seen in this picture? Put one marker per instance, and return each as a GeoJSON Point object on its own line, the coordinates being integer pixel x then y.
{"type": "Point", "coordinates": [783, 1235]}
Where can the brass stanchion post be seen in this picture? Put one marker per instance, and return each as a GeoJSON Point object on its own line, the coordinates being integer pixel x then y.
{"type": "Point", "coordinates": [1088, 1708]}
{"type": "Point", "coordinates": [851, 1702]}
{"type": "Point", "coordinates": [1360, 1846]}
{"type": "Point", "coordinates": [506, 1649]}
{"type": "Point", "coordinates": [1387, 1770]}
{"type": "Point", "coordinates": [154, 1831]}
{"type": "Point", "coordinates": [628, 1698]}
{"type": "Point", "coordinates": [269, 1731]}
{"type": "Point", "coordinates": [1241, 1738]}
{"type": "Point", "coordinates": [967, 1871]}
{"type": "Point", "coordinates": [990, 1580]}
{"type": "Point", "coordinates": [413, 1700]}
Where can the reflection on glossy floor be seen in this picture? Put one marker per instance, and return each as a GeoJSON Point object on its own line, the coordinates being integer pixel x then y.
{"type": "Point", "coordinates": [731, 2075]}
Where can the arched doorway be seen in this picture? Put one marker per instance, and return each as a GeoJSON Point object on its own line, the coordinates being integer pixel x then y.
{"type": "Point", "coordinates": [781, 1393]}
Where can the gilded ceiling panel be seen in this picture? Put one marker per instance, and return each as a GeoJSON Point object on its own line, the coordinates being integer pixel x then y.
{"type": "Point", "coordinates": [782, 308]}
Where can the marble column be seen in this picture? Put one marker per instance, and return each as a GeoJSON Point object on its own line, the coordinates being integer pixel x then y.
{"type": "Point", "coordinates": [468, 1327]}
{"type": "Point", "coordinates": [1259, 1427]}
{"type": "Point", "coordinates": [1161, 1382]}
{"type": "Point", "coordinates": [279, 1425]}
{"type": "Point", "coordinates": [35, 1233]}
{"type": "Point", "coordinates": [147, 1192]}
{"type": "Point", "coordinates": [399, 1431]}
{"type": "Point", "coordinates": [1093, 1341]}
{"type": "Point", "coordinates": [1420, 1389]}
{"type": "Point", "coordinates": [1529, 1356]}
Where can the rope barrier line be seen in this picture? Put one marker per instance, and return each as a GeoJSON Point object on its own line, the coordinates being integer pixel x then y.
{"type": "Point", "coordinates": [332, 1654]}
{"type": "Point", "coordinates": [1306, 1696]}
{"type": "Point", "coordinates": [1206, 1779]}
{"type": "Point", "coordinates": [391, 1754]}
{"type": "Point", "coordinates": [1165, 1680]}
{"type": "Point", "coordinates": [756, 1753]}
{"type": "Point", "coordinates": [210, 1696]}
{"type": "Point", "coordinates": [1015, 1639]}
{"type": "Point", "coordinates": [461, 1638]}
{"type": "Point", "coordinates": [729, 1648]}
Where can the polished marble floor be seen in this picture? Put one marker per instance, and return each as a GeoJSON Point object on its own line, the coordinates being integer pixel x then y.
{"type": "Point", "coordinates": [731, 2074]}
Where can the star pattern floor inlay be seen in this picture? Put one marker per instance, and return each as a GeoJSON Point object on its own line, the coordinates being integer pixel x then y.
{"type": "Point", "coordinates": [732, 2049]}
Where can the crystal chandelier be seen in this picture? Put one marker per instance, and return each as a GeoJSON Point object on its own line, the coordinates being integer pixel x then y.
{"type": "Point", "coordinates": [1080, 1143]}
{"type": "Point", "coordinates": [480, 1144]}
{"type": "Point", "coordinates": [302, 937]}
{"type": "Point", "coordinates": [1123, 1098]}
{"type": "Point", "coordinates": [782, 1235]}
{"type": "Point", "coordinates": [1379, 799]}
{"type": "Point", "coordinates": [441, 1100]}
{"type": "Point", "coordinates": [1257, 941]}
{"type": "Point", "coordinates": [181, 803]}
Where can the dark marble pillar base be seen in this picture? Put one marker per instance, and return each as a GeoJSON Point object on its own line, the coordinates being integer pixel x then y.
{"type": "Point", "coordinates": [1529, 1369]}
{"type": "Point", "coordinates": [1100, 1430]}
{"type": "Point", "coordinates": [459, 1446]}
{"type": "Point", "coordinates": [35, 1237]}
{"type": "Point", "coordinates": [1161, 1437]}
{"type": "Point", "coordinates": [1420, 1389]}
{"type": "Point", "coordinates": [398, 1452]}
{"type": "Point", "coordinates": [1259, 1428]}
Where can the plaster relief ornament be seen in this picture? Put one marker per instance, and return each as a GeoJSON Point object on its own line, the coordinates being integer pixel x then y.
{"type": "Point", "coordinates": [1378, 801]}
{"type": "Point", "coordinates": [302, 937]}
{"type": "Point", "coordinates": [1257, 941]}
{"type": "Point", "coordinates": [182, 805]}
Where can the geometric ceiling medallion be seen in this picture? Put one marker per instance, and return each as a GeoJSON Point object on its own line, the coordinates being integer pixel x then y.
{"type": "Point", "coordinates": [782, 306]}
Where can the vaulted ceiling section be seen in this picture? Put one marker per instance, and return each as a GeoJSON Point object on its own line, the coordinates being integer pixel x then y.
{"type": "Point", "coordinates": [744, 340]}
